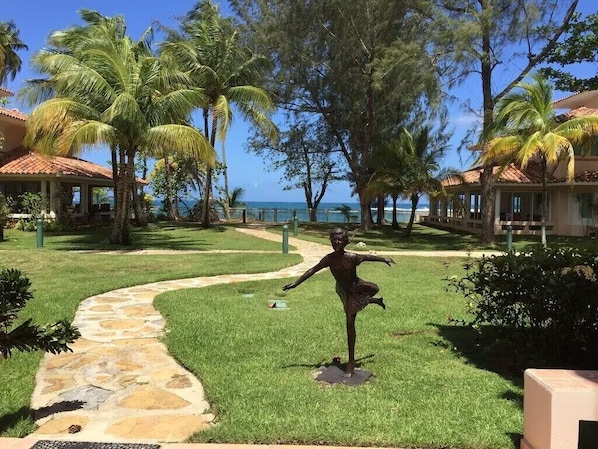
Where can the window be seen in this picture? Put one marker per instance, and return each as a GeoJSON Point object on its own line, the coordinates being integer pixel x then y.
{"type": "Point", "coordinates": [585, 205]}
{"type": "Point", "coordinates": [516, 203]}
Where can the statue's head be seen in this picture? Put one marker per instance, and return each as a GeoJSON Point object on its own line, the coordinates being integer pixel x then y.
{"type": "Point", "coordinates": [339, 238]}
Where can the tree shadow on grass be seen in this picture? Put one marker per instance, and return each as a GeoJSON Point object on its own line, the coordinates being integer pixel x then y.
{"type": "Point", "coordinates": [485, 353]}
{"type": "Point", "coordinates": [12, 420]}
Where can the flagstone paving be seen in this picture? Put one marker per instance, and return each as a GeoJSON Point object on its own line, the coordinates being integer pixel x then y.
{"type": "Point", "coordinates": [120, 384]}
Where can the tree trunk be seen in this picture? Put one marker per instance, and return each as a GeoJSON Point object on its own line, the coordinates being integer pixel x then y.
{"type": "Point", "coordinates": [121, 230]}
{"type": "Point", "coordinates": [395, 222]}
{"type": "Point", "coordinates": [313, 214]}
{"type": "Point", "coordinates": [171, 213]}
{"type": "Point", "coordinates": [140, 215]}
{"type": "Point", "coordinates": [487, 195]}
{"type": "Point", "coordinates": [114, 176]}
{"type": "Point", "coordinates": [414, 201]}
{"type": "Point", "coordinates": [365, 213]}
{"type": "Point", "coordinates": [544, 201]}
{"type": "Point", "coordinates": [487, 176]}
{"type": "Point", "coordinates": [380, 210]}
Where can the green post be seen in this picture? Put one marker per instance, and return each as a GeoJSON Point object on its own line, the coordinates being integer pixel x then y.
{"type": "Point", "coordinates": [509, 238]}
{"type": "Point", "coordinates": [295, 226]}
{"type": "Point", "coordinates": [285, 239]}
{"type": "Point", "coordinates": [40, 233]}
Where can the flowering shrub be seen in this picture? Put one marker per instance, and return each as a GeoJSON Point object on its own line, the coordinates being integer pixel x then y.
{"type": "Point", "coordinates": [544, 302]}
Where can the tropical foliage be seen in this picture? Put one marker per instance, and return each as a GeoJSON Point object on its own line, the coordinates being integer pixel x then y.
{"type": "Point", "coordinates": [104, 88]}
{"type": "Point", "coordinates": [211, 52]}
{"type": "Point", "coordinates": [528, 131]}
{"type": "Point", "coordinates": [10, 44]}
{"type": "Point", "coordinates": [27, 336]}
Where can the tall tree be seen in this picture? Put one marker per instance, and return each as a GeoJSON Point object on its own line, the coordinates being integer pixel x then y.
{"type": "Point", "coordinates": [483, 36]}
{"type": "Point", "coordinates": [10, 44]}
{"type": "Point", "coordinates": [529, 131]}
{"type": "Point", "coordinates": [209, 49]}
{"type": "Point", "coordinates": [307, 156]}
{"type": "Point", "coordinates": [116, 93]}
{"type": "Point", "coordinates": [579, 47]}
{"type": "Point", "coordinates": [360, 66]}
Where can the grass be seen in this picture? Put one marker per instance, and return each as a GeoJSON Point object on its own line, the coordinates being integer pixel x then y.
{"type": "Point", "coordinates": [62, 279]}
{"type": "Point", "coordinates": [431, 389]}
{"type": "Point", "coordinates": [171, 236]}
{"type": "Point", "coordinates": [424, 238]}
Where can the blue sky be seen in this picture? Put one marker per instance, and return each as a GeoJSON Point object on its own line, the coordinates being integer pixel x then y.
{"type": "Point", "coordinates": [37, 19]}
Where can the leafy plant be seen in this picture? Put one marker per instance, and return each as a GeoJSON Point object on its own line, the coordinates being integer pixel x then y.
{"type": "Point", "coordinates": [27, 336]}
{"type": "Point", "coordinates": [346, 212]}
{"type": "Point", "coordinates": [4, 211]}
{"type": "Point", "coordinates": [542, 302]}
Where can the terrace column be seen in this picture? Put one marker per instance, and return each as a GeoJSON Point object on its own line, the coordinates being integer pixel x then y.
{"type": "Point", "coordinates": [44, 193]}
{"type": "Point", "coordinates": [53, 199]}
{"type": "Point", "coordinates": [467, 205]}
{"type": "Point", "coordinates": [84, 198]}
{"type": "Point", "coordinates": [496, 205]}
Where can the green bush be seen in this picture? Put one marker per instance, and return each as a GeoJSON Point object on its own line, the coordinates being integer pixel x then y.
{"type": "Point", "coordinates": [27, 336]}
{"type": "Point", "coordinates": [543, 303]}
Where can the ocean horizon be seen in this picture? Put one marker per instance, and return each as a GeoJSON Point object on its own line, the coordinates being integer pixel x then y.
{"type": "Point", "coordinates": [284, 211]}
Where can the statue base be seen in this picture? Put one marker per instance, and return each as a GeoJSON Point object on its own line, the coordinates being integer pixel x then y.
{"type": "Point", "coordinates": [335, 375]}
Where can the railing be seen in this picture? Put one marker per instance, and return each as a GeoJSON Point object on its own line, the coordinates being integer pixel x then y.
{"type": "Point", "coordinates": [323, 215]}
{"type": "Point", "coordinates": [500, 227]}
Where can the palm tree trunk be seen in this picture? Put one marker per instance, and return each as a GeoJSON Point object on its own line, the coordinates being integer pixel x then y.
{"type": "Point", "coordinates": [121, 229]}
{"type": "Point", "coordinates": [225, 173]}
{"type": "Point", "coordinates": [170, 212]}
{"type": "Point", "coordinates": [140, 216]}
{"type": "Point", "coordinates": [113, 156]}
{"type": "Point", "coordinates": [414, 201]}
{"type": "Point", "coordinates": [544, 201]}
{"type": "Point", "coordinates": [395, 222]}
{"type": "Point", "coordinates": [209, 213]}
{"type": "Point", "coordinates": [380, 210]}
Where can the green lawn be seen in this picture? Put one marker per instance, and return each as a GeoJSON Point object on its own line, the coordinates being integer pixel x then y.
{"type": "Point", "coordinates": [431, 389]}
{"type": "Point", "coordinates": [433, 386]}
{"type": "Point", "coordinates": [173, 236]}
{"type": "Point", "coordinates": [62, 279]}
{"type": "Point", "coordinates": [424, 238]}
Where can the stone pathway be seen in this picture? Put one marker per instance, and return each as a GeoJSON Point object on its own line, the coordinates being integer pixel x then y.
{"type": "Point", "coordinates": [120, 384]}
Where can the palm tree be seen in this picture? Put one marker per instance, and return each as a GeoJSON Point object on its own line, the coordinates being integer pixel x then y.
{"type": "Point", "coordinates": [388, 162]}
{"type": "Point", "coordinates": [527, 129]}
{"type": "Point", "coordinates": [110, 90]}
{"type": "Point", "coordinates": [423, 175]}
{"type": "Point", "coordinates": [410, 167]}
{"type": "Point", "coordinates": [10, 62]}
{"type": "Point", "coordinates": [209, 49]}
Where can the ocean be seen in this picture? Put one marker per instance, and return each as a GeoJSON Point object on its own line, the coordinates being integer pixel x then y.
{"type": "Point", "coordinates": [271, 211]}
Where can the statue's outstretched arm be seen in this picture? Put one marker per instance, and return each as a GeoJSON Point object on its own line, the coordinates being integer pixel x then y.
{"type": "Point", "coordinates": [309, 273]}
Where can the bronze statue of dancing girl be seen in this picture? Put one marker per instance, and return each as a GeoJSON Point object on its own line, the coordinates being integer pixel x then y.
{"type": "Point", "coordinates": [354, 293]}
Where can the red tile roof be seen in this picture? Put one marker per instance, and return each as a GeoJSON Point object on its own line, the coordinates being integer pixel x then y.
{"type": "Point", "coordinates": [23, 162]}
{"type": "Point", "coordinates": [5, 92]}
{"type": "Point", "coordinates": [577, 113]}
{"type": "Point", "coordinates": [14, 113]}
{"type": "Point", "coordinates": [511, 174]}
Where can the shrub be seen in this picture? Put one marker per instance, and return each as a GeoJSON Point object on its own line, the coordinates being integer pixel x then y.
{"type": "Point", "coordinates": [4, 212]}
{"type": "Point", "coordinates": [27, 336]}
{"type": "Point", "coordinates": [544, 302]}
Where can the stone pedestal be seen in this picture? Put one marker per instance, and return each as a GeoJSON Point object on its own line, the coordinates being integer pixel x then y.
{"type": "Point", "coordinates": [556, 403]}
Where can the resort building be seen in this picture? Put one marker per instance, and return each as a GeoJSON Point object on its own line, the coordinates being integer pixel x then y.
{"type": "Point", "coordinates": [67, 184]}
{"type": "Point", "coordinates": [572, 206]}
